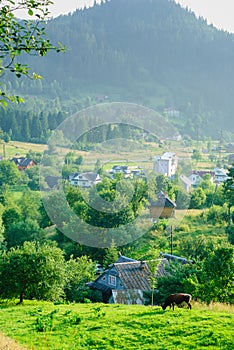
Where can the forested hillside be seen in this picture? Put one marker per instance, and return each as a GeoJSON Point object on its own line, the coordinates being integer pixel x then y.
{"type": "Point", "coordinates": [149, 52]}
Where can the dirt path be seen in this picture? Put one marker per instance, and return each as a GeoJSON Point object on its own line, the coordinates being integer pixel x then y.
{"type": "Point", "coordinates": [9, 344]}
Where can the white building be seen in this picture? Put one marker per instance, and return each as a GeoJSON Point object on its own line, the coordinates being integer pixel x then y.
{"type": "Point", "coordinates": [84, 180]}
{"type": "Point", "coordinates": [220, 175]}
{"type": "Point", "coordinates": [197, 175]}
{"type": "Point", "coordinates": [166, 164]}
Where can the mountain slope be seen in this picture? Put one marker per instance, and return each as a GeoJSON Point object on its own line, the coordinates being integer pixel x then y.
{"type": "Point", "coordinates": [151, 52]}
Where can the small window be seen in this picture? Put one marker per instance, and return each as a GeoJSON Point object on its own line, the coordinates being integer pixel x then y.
{"type": "Point", "coordinates": [112, 280]}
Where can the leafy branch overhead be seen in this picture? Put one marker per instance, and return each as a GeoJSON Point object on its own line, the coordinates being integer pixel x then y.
{"type": "Point", "coordinates": [26, 36]}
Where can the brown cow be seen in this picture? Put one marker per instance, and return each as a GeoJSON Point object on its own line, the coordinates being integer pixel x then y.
{"type": "Point", "coordinates": [177, 299]}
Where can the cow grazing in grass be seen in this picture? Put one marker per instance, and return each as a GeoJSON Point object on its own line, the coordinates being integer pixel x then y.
{"type": "Point", "coordinates": [177, 299]}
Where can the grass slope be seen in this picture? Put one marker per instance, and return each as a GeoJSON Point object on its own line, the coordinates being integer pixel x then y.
{"type": "Point", "coordinates": [99, 326]}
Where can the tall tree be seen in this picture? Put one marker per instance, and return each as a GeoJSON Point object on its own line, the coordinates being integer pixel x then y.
{"type": "Point", "coordinates": [217, 276]}
{"type": "Point", "coordinates": [228, 190]}
{"type": "Point", "coordinates": [9, 174]}
{"type": "Point", "coordinates": [33, 270]}
{"type": "Point", "coordinates": [79, 271]}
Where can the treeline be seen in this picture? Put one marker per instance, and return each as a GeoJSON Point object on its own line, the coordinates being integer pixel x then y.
{"type": "Point", "coordinates": [28, 126]}
{"type": "Point", "coordinates": [22, 125]}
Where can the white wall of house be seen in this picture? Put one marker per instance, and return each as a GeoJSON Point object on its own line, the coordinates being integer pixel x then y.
{"type": "Point", "coordinates": [195, 179]}
{"type": "Point", "coordinates": [166, 164]}
{"type": "Point", "coordinates": [220, 175]}
{"type": "Point", "coordinates": [84, 180]}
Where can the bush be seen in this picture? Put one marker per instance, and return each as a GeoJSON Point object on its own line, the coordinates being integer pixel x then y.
{"type": "Point", "coordinates": [180, 279]}
{"type": "Point", "coordinates": [44, 323]}
{"type": "Point", "coordinates": [217, 214]}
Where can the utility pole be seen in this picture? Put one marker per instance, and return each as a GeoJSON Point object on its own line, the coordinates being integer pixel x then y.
{"type": "Point", "coordinates": [4, 151]}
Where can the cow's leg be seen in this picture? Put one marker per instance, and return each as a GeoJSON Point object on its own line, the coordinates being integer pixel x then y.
{"type": "Point", "coordinates": [189, 305]}
{"type": "Point", "coordinates": [173, 306]}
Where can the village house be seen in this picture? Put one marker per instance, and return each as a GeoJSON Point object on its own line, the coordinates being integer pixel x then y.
{"type": "Point", "coordinates": [166, 164]}
{"type": "Point", "coordinates": [127, 171]}
{"type": "Point", "coordinates": [126, 280]}
{"type": "Point", "coordinates": [162, 208]}
{"type": "Point", "coordinates": [220, 175]}
{"type": "Point", "coordinates": [196, 176]}
{"type": "Point", "coordinates": [23, 163]}
{"type": "Point", "coordinates": [121, 169]}
{"type": "Point", "coordinates": [170, 112]}
{"type": "Point", "coordinates": [84, 180]}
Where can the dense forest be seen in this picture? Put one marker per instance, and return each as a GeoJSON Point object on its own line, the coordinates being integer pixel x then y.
{"type": "Point", "coordinates": [153, 53]}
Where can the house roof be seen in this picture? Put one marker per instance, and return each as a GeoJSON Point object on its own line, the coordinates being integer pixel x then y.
{"type": "Point", "coordinates": [26, 162]}
{"type": "Point", "coordinates": [171, 257]}
{"type": "Point", "coordinates": [220, 172]}
{"type": "Point", "coordinates": [163, 201]}
{"type": "Point", "coordinates": [22, 161]}
{"type": "Point", "coordinates": [90, 176]}
{"type": "Point", "coordinates": [166, 156]}
{"type": "Point", "coordinates": [17, 160]}
{"type": "Point", "coordinates": [201, 173]}
{"type": "Point", "coordinates": [123, 258]}
{"type": "Point", "coordinates": [134, 275]}
{"type": "Point", "coordinates": [99, 286]}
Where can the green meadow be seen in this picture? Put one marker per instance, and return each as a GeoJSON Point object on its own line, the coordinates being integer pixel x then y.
{"type": "Point", "coordinates": [43, 325]}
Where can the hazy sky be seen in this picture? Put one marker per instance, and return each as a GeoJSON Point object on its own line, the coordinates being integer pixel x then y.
{"type": "Point", "coordinates": [218, 12]}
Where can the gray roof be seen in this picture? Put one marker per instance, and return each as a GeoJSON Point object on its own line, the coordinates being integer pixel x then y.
{"type": "Point", "coordinates": [134, 275]}
{"type": "Point", "coordinates": [123, 258]}
{"type": "Point", "coordinates": [99, 286]}
{"type": "Point", "coordinates": [163, 201]}
{"type": "Point", "coordinates": [176, 258]}
{"type": "Point", "coordinates": [22, 161]}
{"type": "Point", "coordinates": [90, 176]}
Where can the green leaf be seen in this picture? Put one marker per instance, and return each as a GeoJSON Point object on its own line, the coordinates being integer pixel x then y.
{"type": "Point", "coordinates": [3, 103]}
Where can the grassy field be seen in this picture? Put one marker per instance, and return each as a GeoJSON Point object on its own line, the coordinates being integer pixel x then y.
{"type": "Point", "coordinates": [17, 149]}
{"type": "Point", "coordinates": [113, 152]}
{"type": "Point", "coordinates": [40, 325]}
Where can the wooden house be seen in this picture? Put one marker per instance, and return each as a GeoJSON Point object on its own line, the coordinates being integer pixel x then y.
{"type": "Point", "coordinates": [23, 163]}
{"type": "Point", "coordinates": [125, 281]}
{"type": "Point", "coordinates": [163, 207]}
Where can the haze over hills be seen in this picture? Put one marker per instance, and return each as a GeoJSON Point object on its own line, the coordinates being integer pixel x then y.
{"type": "Point", "coordinates": [151, 52]}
